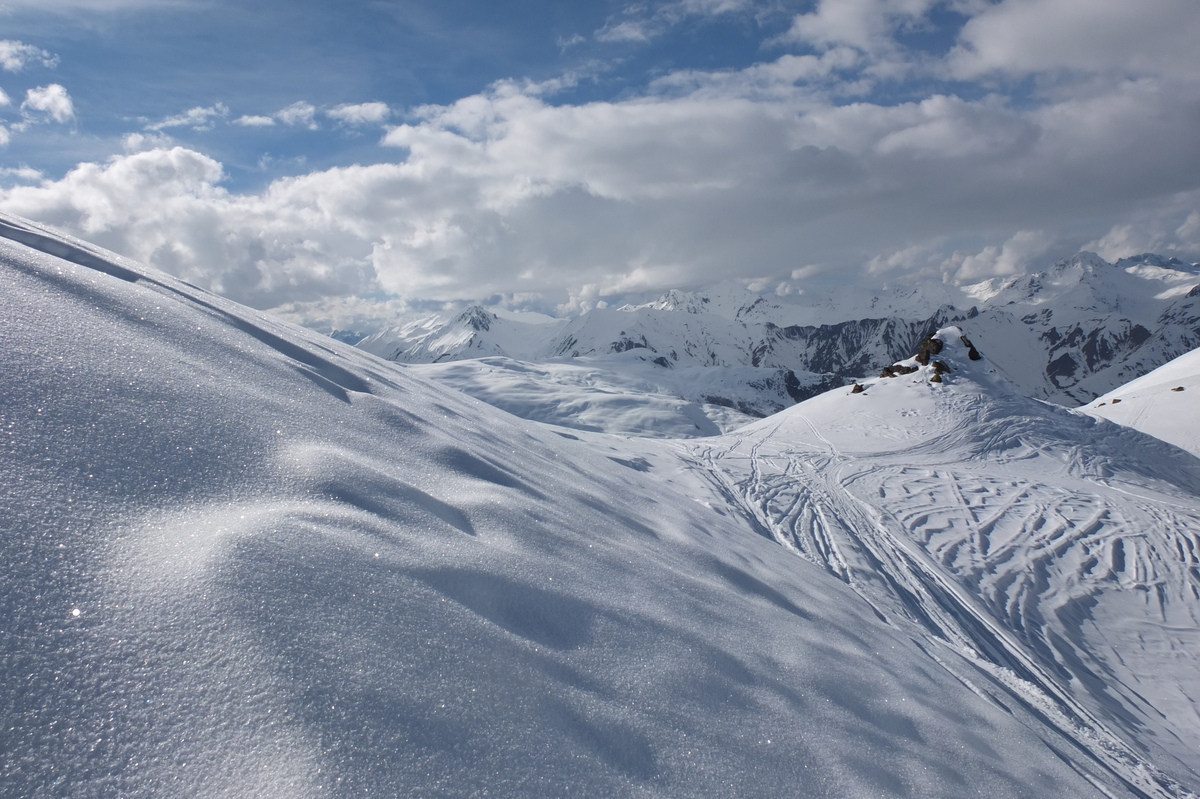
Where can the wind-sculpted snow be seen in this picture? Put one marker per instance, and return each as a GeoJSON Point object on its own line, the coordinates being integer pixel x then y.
{"type": "Point", "coordinates": [1063, 553]}
{"type": "Point", "coordinates": [243, 560]}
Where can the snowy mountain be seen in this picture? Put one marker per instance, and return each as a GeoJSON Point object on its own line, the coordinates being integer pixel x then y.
{"type": "Point", "coordinates": [243, 559]}
{"type": "Point", "coordinates": [1066, 334]}
{"type": "Point", "coordinates": [654, 371]}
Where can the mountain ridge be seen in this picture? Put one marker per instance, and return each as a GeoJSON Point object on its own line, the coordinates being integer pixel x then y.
{"type": "Point", "coordinates": [1065, 334]}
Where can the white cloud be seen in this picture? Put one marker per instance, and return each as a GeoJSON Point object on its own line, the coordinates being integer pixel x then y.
{"type": "Point", "coordinates": [198, 118]}
{"type": "Point", "coordinates": [15, 56]}
{"type": "Point", "coordinates": [1125, 240]}
{"type": "Point", "coordinates": [24, 174]}
{"type": "Point", "coordinates": [5, 136]}
{"type": "Point", "coordinates": [51, 101]}
{"type": "Point", "coordinates": [1013, 257]}
{"type": "Point", "coordinates": [140, 142]}
{"type": "Point", "coordinates": [776, 79]}
{"type": "Point", "coordinates": [252, 121]}
{"type": "Point", "coordinates": [5, 100]}
{"type": "Point", "coordinates": [360, 114]}
{"type": "Point", "coordinates": [1189, 234]}
{"type": "Point", "coordinates": [868, 25]}
{"type": "Point", "coordinates": [300, 114]}
{"type": "Point", "coordinates": [640, 23]}
{"type": "Point", "coordinates": [713, 175]}
{"type": "Point", "coordinates": [1022, 37]}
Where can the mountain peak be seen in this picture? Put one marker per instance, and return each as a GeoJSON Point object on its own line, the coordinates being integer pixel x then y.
{"type": "Point", "coordinates": [477, 318]}
{"type": "Point", "coordinates": [1160, 261]}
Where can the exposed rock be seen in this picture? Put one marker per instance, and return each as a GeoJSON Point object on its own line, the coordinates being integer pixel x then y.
{"type": "Point", "coordinates": [897, 369]}
{"type": "Point", "coordinates": [940, 367]}
{"type": "Point", "coordinates": [929, 347]}
{"type": "Point", "coordinates": [937, 377]}
{"type": "Point", "coordinates": [1177, 388]}
{"type": "Point", "coordinates": [972, 353]}
{"type": "Point", "coordinates": [857, 389]}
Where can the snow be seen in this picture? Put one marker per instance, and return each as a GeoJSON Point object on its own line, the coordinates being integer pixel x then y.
{"type": "Point", "coordinates": [1064, 551]}
{"type": "Point", "coordinates": [1067, 334]}
{"type": "Point", "coordinates": [1162, 403]}
{"type": "Point", "coordinates": [246, 560]}
{"type": "Point", "coordinates": [622, 394]}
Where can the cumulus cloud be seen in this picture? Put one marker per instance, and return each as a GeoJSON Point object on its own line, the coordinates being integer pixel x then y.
{"type": "Point", "coordinates": [1013, 257]}
{"type": "Point", "coordinates": [867, 25]}
{"type": "Point", "coordinates": [167, 207]}
{"type": "Point", "coordinates": [502, 192]}
{"type": "Point", "coordinates": [52, 102]}
{"type": "Point", "coordinates": [1022, 37]}
{"type": "Point", "coordinates": [299, 114]}
{"type": "Point", "coordinates": [15, 56]}
{"type": "Point", "coordinates": [360, 114]}
{"type": "Point", "coordinates": [775, 171]}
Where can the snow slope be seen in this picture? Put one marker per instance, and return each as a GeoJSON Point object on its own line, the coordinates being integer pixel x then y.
{"type": "Point", "coordinates": [1162, 403]}
{"type": "Point", "coordinates": [1063, 552]}
{"type": "Point", "coordinates": [245, 560]}
{"type": "Point", "coordinates": [624, 394]}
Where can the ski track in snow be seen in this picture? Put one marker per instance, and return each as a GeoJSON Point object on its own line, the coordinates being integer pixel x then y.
{"type": "Point", "coordinates": [1060, 582]}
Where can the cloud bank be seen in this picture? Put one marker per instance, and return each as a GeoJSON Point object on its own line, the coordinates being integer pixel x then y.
{"type": "Point", "coordinates": [851, 154]}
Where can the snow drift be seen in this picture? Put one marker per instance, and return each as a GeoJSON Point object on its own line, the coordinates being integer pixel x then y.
{"type": "Point", "coordinates": [244, 560]}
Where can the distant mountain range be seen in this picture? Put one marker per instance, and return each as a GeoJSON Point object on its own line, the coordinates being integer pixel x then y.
{"type": "Point", "coordinates": [725, 355]}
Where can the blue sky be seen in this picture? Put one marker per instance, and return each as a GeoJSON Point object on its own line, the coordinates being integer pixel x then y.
{"type": "Point", "coordinates": [348, 162]}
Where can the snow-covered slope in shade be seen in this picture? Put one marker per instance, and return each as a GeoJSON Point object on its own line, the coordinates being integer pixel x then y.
{"type": "Point", "coordinates": [1164, 403]}
{"type": "Point", "coordinates": [1064, 552]}
{"type": "Point", "coordinates": [653, 372]}
{"type": "Point", "coordinates": [243, 560]}
{"type": "Point", "coordinates": [623, 394]}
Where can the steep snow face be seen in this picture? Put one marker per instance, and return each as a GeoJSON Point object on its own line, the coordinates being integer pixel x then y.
{"type": "Point", "coordinates": [244, 560]}
{"type": "Point", "coordinates": [1063, 552]}
{"type": "Point", "coordinates": [1163, 403]}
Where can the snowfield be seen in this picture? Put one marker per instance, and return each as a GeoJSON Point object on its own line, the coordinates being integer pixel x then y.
{"type": "Point", "coordinates": [1159, 403]}
{"type": "Point", "coordinates": [244, 560]}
